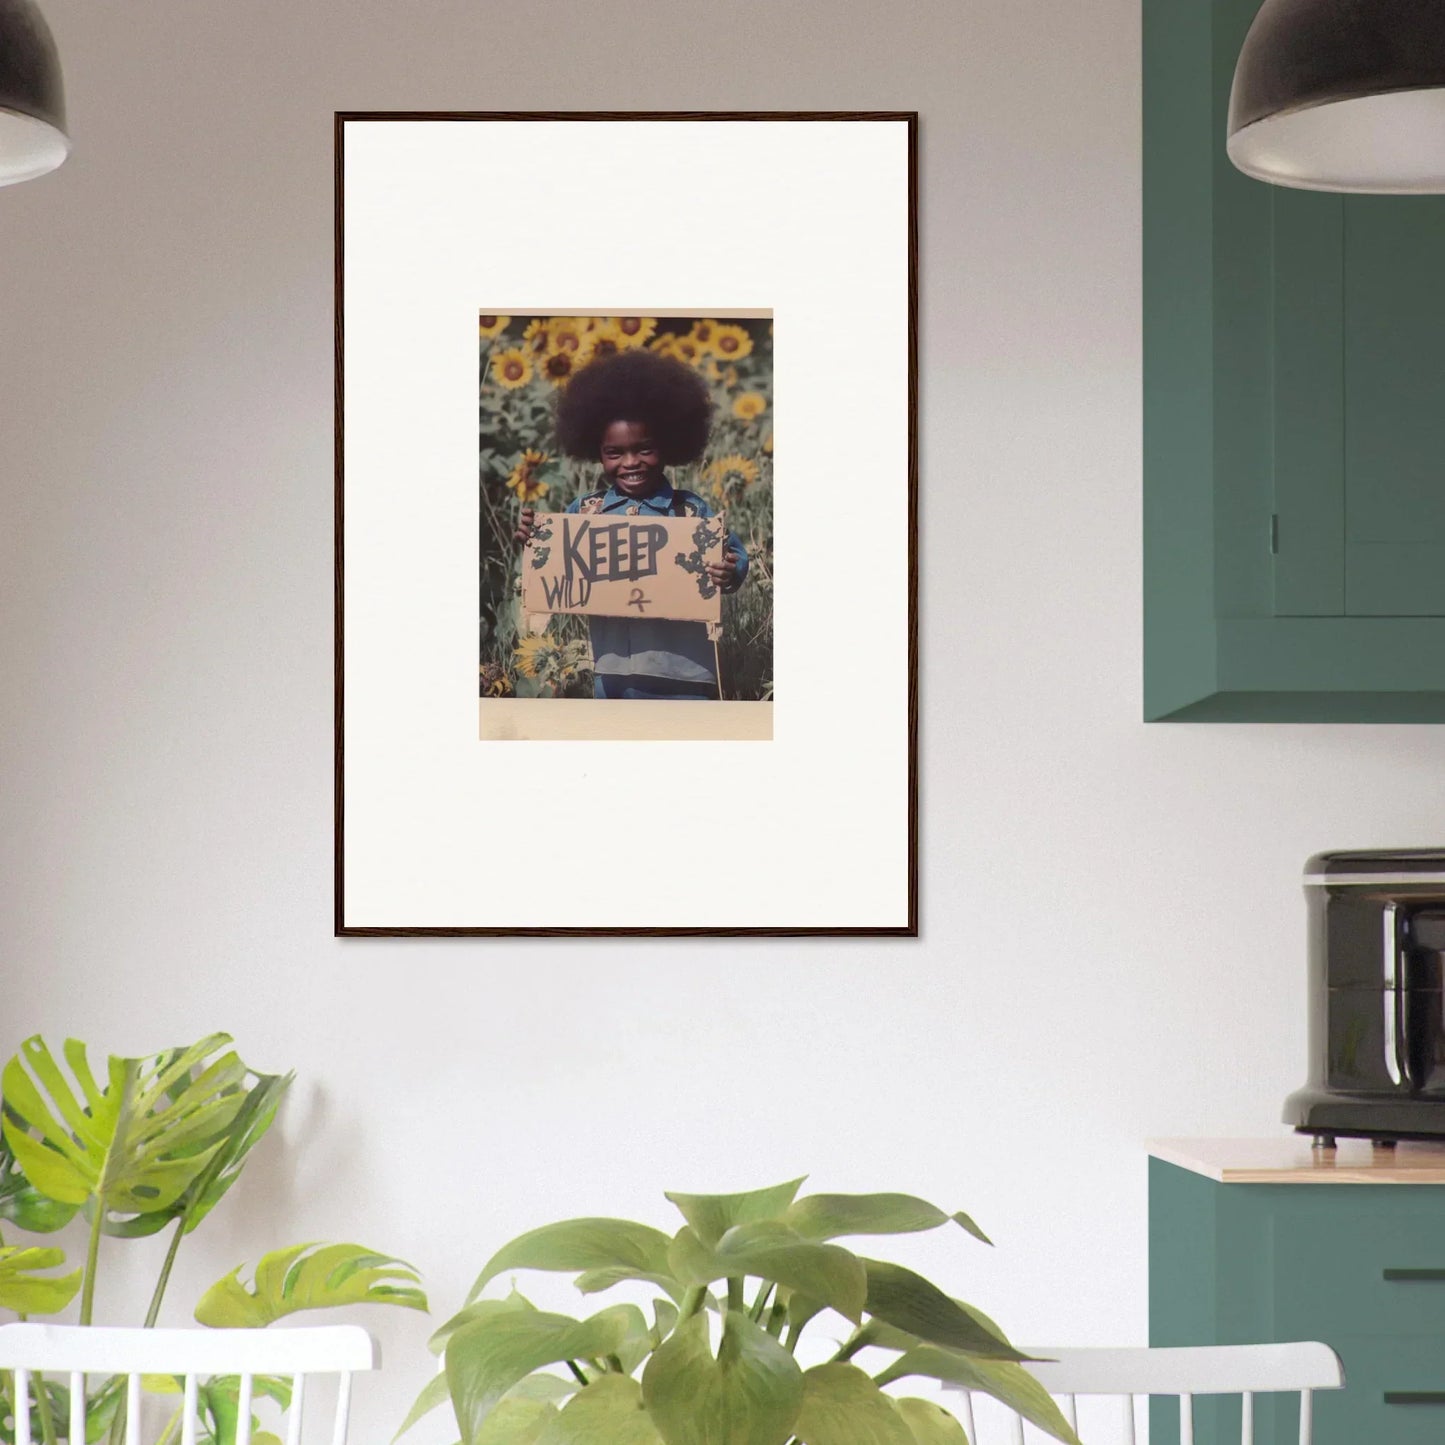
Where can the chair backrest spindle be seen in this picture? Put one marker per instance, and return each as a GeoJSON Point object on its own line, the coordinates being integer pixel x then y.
{"type": "Point", "coordinates": [22, 1407]}
{"type": "Point", "coordinates": [298, 1408]}
{"type": "Point", "coordinates": [190, 1410]}
{"type": "Point", "coordinates": [132, 1410]}
{"type": "Point", "coordinates": [343, 1409]}
{"type": "Point", "coordinates": [1246, 1418]}
{"type": "Point", "coordinates": [243, 1410]}
{"type": "Point", "coordinates": [77, 1405]}
{"type": "Point", "coordinates": [1306, 1416]}
{"type": "Point", "coordinates": [1186, 1420]}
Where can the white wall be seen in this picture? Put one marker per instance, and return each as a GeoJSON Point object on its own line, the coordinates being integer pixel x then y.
{"type": "Point", "coordinates": [1112, 923]}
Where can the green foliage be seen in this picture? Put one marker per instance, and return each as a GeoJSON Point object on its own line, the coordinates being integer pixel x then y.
{"type": "Point", "coordinates": [520, 466]}
{"type": "Point", "coordinates": [142, 1144]}
{"type": "Point", "coordinates": [309, 1277]}
{"type": "Point", "coordinates": [26, 1289]}
{"type": "Point", "coordinates": [765, 1264]}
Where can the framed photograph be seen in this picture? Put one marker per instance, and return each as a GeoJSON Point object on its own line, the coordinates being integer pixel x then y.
{"type": "Point", "coordinates": [626, 512]}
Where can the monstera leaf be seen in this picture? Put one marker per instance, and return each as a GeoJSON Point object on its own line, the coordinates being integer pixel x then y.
{"type": "Point", "coordinates": [22, 1204]}
{"type": "Point", "coordinates": [309, 1277]}
{"type": "Point", "coordinates": [28, 1291]}
{"type": "Point", "coordinates": [255, 1116]}
{"type": "Point", "coordinates": [131, 1146]}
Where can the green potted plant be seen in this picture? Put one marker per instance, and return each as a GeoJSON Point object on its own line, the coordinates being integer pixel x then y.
{"type": "Point", "coordinates": [152, 1144]}
{"type": "Point", "coordinates": [714, 1359]}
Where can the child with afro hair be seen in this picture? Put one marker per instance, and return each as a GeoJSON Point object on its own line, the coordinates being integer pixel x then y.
{"type": "Point", "coordinates": [637, 413]}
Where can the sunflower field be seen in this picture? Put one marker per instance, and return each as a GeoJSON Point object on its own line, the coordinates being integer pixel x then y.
{"type": "Point", "coordinates": [525, 363]}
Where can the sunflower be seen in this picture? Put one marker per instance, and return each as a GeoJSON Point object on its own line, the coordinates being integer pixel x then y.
{"type": "Point", "coordinates": [493, 325]}
{"type": "Point", "coordinates": [523, 481]}
{"type": "Point", "coordinates": [634, 330]}
{"type": "Point", "coordinates": [688, 349]}
{"type": "Point", "coordinates": [730, 342]}
{"type": "Point", "coordinates": [559, 367]}
{"type": "Point", "coordinates": [703, 332]}
{"type": "Point", "coordinates": [512, 368]}
{"type": "Point", "coordinates": [732, 473]}
{"type": "Point", "coordinates": [604, 339]}
{"type": "Point", "coordinates": [537, 335]}
{"type": "Point", "coordinates": [750, 405]}
{"type": "Point", "coordinates": [531, 654]}
{"type": "Point", "coordinates": [494, 681]}
{"type": "Point", "coordinates": [565, 333]}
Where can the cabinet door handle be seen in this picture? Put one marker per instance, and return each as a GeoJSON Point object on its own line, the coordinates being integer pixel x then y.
{"type": "Point", "coordinates": [1415, 1397]}
{"type": "Point", "coordinates": [1398, 1274]}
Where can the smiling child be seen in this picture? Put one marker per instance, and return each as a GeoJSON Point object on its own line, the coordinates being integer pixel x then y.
{"type": "Point", "coordinates": [637, 413]}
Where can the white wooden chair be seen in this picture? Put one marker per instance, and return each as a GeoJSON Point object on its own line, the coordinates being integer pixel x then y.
{"type": "Point", "coordinates": [196, 1354]}
{"type": "Point", "coordinates": [1129, 1374]}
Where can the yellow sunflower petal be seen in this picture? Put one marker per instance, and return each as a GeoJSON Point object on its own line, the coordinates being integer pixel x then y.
{"type": "Point", "coordinates": [511, 368]}
{"type": "Point", "coordinates": [730, 342]}
{"type": "Point", "coordinates": [493, 325]}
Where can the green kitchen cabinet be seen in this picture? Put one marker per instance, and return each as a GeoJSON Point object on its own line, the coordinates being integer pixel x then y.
{"type": "Point", "coordinates": [1294, 420]}
{"type": "Point", "coordinates": [1360, 1266]}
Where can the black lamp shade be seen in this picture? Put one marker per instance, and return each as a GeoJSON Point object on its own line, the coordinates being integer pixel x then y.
{"type": "Point", "coordinates": [32, 99]}
{"type": "Point", "coordinates": [1342, 95]}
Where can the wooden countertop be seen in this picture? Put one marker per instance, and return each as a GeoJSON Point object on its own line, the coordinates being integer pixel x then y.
{"type": "Point", "coordinates": [1290, 1159]}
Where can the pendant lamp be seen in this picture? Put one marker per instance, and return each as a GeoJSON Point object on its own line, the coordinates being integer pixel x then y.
{"type": "Point", "coordinates": [1342, 95]}
{"type": "Point", "coordinates": [32, 100]}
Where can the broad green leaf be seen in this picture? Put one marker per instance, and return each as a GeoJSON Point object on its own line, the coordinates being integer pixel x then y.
{"type": "Point", "coordinates": [594, 1281]}
{"type": "Point", "coordinates": [515, 1421]}
{"type": "Point", "coordinates": [770, 1250]}
{"type": "Point", "coordinates": [542, 1386]}
{"type": "Point", "coordinates": [1002, 1379]}
{"type": "Point", "coordinates": [23, 1204]}
{"type": "Point", "coordinates": [433, 1394]}
{"type": "Point", "coordinates": [909, 1302]}
{"type": "Point", "coordinates": [487, 1356]}
{"type": "Point", "coordinates": [255, 1116]}
{"type": "Point", "coordinates": [749, 1395]}
{"type": "Point", "coordinates": [930, 1424]}
{"type": "Point", "coordinates": [712, 1215]}
{"type": "Point", "coordinates": [608, 1412]}
{"type": "Point", "coordinates": [27, 1291]}
{"type": "Point", "coordinates": [664, 1317]}
{"type": "Point", "coordinates": [889, 1337]}
{"type": "Point", "coordinates": [132, 1146]}
{"type": "Point", "coordinates": [802, 1309]}
{"type": "Point", "coordinates": [842, 1406]}
{"type": "Point", "coordinates": [580, 1244]}
{"type": "Point", "coordinates": [480, 1309]}
{"type": "Point", "coordinates": [829, 1216]}
{"type": "Point", "coordinates": [309, 1277]}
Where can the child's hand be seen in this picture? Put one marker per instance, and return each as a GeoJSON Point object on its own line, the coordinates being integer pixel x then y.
{"type": "Point", "coordinates": [725, 573]}
{"type": "Point", "coordinates": [523, 534]}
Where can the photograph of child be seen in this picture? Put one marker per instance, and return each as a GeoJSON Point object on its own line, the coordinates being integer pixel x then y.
{"type": "Point", "coordinates": [658, 416]}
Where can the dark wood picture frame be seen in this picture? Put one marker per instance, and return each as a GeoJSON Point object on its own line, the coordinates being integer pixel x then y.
{"type": "Point", "coordinates": [910, 929]}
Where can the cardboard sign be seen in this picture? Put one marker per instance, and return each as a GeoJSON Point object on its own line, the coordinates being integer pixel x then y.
{"type": "Point", "coordinates": [613, 565]}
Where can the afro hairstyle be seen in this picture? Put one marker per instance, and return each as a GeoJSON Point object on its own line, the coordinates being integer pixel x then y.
{"type": "Point", "coordinates": [666, 396]}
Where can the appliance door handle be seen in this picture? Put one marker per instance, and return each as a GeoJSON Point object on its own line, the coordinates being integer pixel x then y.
{"type": "Point", "coordinates": [1390, 995]}
{"type": "Point", "coordinates": [1415, 1397]}
{"type": "Point", "coordinates": [1415, 1274]}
